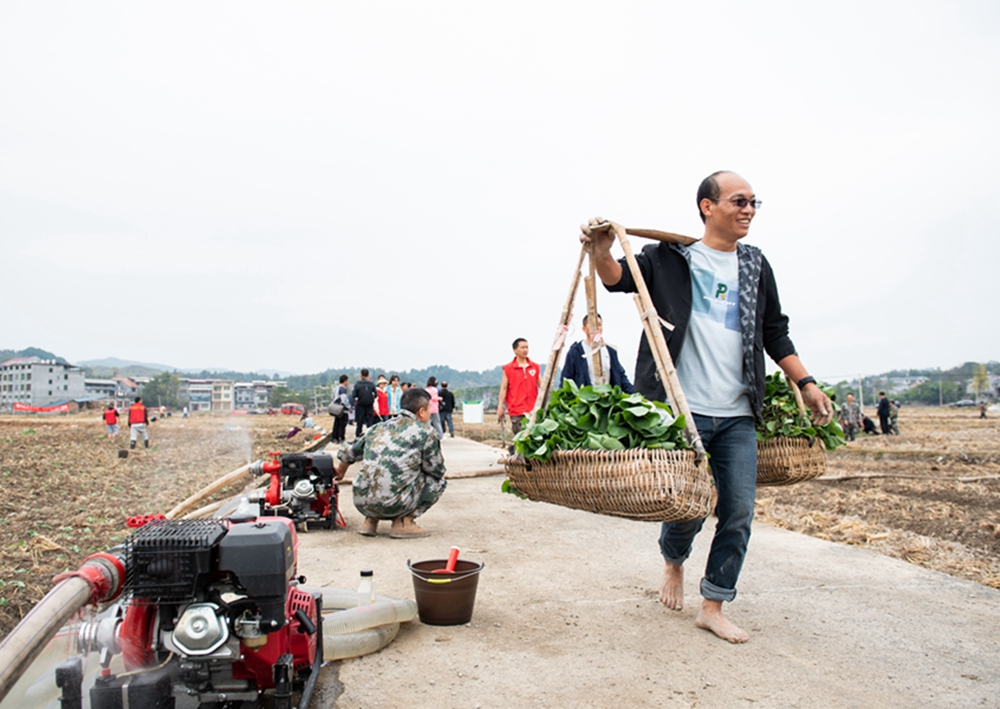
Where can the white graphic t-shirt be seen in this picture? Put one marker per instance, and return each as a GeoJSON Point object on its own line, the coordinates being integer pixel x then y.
{"type": "Point", "coordinates": [710, 365]}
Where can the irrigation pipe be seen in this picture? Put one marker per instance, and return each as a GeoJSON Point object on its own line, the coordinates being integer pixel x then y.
{"type": "Point", "coordinates": [28, 639]}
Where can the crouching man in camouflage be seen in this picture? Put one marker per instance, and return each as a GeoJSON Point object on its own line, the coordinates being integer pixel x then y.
{"type": "Point", "coordinates": [402, 469]}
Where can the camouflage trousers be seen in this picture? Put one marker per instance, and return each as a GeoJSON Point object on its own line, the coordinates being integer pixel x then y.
{"type": "Point", "coordinates": [414, 500]}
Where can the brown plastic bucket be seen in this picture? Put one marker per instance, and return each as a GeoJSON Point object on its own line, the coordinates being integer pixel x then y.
{"type": "Point", "coordinates": [445, 599]}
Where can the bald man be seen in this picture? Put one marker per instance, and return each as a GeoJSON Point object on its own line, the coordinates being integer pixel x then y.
{"type": "Point", "coordinates": [721, 298]}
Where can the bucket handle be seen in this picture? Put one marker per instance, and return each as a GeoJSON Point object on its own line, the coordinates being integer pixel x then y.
{"type": "Point", "coordinates": [447, 580]}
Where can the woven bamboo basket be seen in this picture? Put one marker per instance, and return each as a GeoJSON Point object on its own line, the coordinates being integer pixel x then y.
{"type": "Point", "coordinates": [786, 461]}
{"type": "Point", "coordinates": [639, 484]}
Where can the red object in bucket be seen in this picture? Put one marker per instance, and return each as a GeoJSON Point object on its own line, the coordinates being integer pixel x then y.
{"type": "Point", "coordinates": [452, 559]}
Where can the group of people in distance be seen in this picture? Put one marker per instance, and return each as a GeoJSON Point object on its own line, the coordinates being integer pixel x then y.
{"type": "Point", "coordinates": [138, 420]}
{"type": "Point", "coordinates": [854, 420]}
{"type": "Point", "coordinates": [369, 403]}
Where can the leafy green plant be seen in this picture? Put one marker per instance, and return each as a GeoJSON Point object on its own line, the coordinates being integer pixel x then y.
{"type": "Point", "coordinates": [781, 416]}
{"type": "Point", "coordinates": [600, 417]}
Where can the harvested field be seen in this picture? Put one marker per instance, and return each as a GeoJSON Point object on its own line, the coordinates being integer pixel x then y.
{"type": "Point", "coordinates": [930, 495]}
{"type": "Point", "coordinates": [67, 493]}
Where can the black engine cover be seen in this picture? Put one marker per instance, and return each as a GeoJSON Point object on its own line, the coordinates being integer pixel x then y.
{"type": "Point", "coordinates": [261, 556]}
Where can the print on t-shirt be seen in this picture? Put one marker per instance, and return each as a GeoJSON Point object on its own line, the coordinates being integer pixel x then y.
{"type": "Point", "coordinates": [718, 301]}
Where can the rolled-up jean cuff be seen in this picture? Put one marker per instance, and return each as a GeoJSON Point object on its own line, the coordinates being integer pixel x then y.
{"type": "Point", "coordinates": [677, 562]}
{"type": "Point", "coordinates": [715, 593]}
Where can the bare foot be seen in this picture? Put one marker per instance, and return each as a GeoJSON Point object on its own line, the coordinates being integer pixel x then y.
{"type": "Point", "coordinates": [710, 618]}
{"type": "Point", "coordinates": [672, 588]}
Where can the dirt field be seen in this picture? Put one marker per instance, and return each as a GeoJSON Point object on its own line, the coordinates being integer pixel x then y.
{"type": "Point", "coordinates": [67, 492]}
{"type": "Point", "coordinates": [933, 498]}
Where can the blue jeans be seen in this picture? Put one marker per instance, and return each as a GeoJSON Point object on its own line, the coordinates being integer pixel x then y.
{"type": "Point", "coordinates": [732, 447]}
{"type": "Point", "coordinates": [446, 423]}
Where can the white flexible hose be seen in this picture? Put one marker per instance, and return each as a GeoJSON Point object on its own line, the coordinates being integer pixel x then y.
{"type": "Point", "coordinates": [364, 642]}
{"type": "Point", "coordinates": [357, 631]}
{"type": "Point", "coordinates": [25, 642]}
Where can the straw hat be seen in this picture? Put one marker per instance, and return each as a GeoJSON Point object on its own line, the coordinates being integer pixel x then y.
{"type": "Point", "coordinates": [381, 380]}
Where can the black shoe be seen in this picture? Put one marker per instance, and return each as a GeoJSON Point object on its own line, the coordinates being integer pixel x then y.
{"type": "Point", "coordinates": [131, 445]}
{"type": "Point", "coordinates": [147, 443]}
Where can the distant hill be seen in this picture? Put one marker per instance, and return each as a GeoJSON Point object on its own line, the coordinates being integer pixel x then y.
{"type": "Point", "coordinates": [110, 363]}
{"type": "Point", "coordinates": [457, 379]}
{"type": "Point", "coordinates": [113, 366]}
{"type": "Point", "coordinates": [29, 352]}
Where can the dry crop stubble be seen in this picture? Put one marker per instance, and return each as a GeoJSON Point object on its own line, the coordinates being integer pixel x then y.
{"type": "Point", "coordinates": [67, 493]}
{"type": "Point", "coordinates": [930, 496]}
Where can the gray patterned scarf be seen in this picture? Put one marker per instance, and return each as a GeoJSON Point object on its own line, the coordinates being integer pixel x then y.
{"type": "Point", "coordinates": [749, 259]}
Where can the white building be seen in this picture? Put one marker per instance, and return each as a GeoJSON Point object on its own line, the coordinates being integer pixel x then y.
{"type": "Point", "coordinates": [253, 396]}
{"type": "Point", "coordinates": [39, 382]}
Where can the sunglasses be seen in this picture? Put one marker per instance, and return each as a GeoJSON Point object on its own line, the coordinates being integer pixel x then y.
{"type": "Point", "coordinates": [743, 202]}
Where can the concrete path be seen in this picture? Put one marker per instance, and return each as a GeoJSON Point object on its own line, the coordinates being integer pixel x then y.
{"type": "Point", "coordinates": [567, 616]}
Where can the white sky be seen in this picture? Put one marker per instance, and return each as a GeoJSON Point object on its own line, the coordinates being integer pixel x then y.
{"type": "Point", "coordinates": [399, 184]}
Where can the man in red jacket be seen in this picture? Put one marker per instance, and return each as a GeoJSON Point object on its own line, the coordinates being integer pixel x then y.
{"type": "Point", "coordinates": [138, 417]}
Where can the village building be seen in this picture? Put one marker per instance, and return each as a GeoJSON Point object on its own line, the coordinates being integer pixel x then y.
{"type": "Point", "coordinates": [37, 382]}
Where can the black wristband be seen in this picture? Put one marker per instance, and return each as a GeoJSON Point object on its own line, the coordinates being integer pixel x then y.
{"type": "Point", "coordinates": [802, 383]}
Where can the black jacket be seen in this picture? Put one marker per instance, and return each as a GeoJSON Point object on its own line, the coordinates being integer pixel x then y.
{"type": "Point", "coordinates": [575, 368]}
{"type": "Point", "coordinates": [363, 394]}
{"type": "Point", "coordinates": [667, 272]}
{"type": "Point", "coordinates": [447, 404]}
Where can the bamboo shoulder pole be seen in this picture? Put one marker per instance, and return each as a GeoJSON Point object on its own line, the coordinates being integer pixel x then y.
{"type": "Point", "coordinates": [560, 339]}
{"type": "Point", "coordinates": [798, 397]}
{"type": "Point", "coordinates": [590, 287]}
{"type": "Point", "coordinates": [662, 236]}
{"type": "Point", "coordinates": [664, 363]}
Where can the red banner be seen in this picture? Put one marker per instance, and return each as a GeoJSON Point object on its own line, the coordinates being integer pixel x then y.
{"type": "Point", "coordinates": [24, 408]}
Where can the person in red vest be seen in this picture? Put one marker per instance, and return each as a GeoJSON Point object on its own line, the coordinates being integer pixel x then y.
{"type": "Point", "coordinates": [111, 420]}
{"type": "Point", "coordinates": [138, 417]}
{"type": "Point", "coordinates": [519, 386]}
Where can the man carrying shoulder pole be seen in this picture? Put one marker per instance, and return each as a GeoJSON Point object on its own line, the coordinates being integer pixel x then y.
{"type": "Point", "coordinates": [721, 298]}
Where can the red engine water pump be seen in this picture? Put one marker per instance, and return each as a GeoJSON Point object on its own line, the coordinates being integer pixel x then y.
{"type": "Point", "coordinates": [212, 616]}
{"type": "Point", "coordinates": [303, 488]}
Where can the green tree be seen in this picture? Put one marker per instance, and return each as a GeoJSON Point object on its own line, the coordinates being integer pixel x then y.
{"type": "Point", "coordinates": [932, 393]}
{"type": "Point", "coordinates": [284, 395]}
{"type": "Point", "coordinates": [980, 380]}
{"type": "Point", "coordinates": [165, 390]}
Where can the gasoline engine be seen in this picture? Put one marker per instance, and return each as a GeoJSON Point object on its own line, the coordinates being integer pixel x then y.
{"type": "Point", "coordinates": [303, 488]}
{"type": "Point", "coordinates": [211, 617]}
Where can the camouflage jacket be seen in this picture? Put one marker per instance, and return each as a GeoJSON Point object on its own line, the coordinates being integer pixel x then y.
{"type": "Point", "coordinates": [402, 468]}
{"type": "Point", "coordinates": [851, 413]}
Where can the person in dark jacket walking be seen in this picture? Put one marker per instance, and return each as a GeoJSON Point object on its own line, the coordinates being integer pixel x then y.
{"type": "Point", "coordinates": [883, 413]}
{"type": "Point", "coordinates": [363, 402]}
{"type": "Point", "coordinates": [721, 302]}
{"type": "Point", "coordinates": [446, 408]}
{"type": "Point", "coordinates": [579, 364]}
{"type": "Point", "coordinates": [341, 398]}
